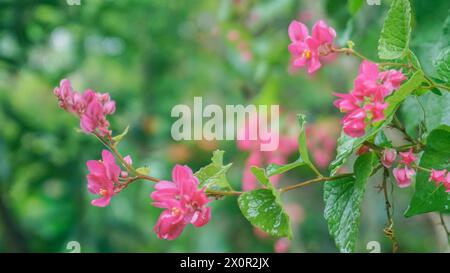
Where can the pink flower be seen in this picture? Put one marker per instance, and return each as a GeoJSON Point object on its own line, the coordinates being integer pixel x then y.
{"type": "Point", "coordinates": [447, 183]}
{"type": "Point", "coordinates": [376, 110]}
{"type": "Point", "coordinates": [437, 176]}
{"type": "Point", "coordinates": [407, 157]}
{"type": "Point", "coordinates": [183, 201]}
{"type": "Point", "coordinates": [403, 176]}
{"type": "Point", "coordinates": [307, 50]}
{"type": "Point", "coordinates": [346, 103]}
{"type": "Point", "coordinates": [323, 34]}
{"type": "Point", "coordinates": [391, 80]}
{"type": "Point", "coordinates": [91, 107]}
{"type": "Point", "coordinates": [370, 89]}
{"type": "Point", "coordinates": [102, 178]}
{"type": "Point", "coordinates": [297, 31]}
{"type": "Point", "coordinates": [354, 124]}
{"type": "Point", "coordinates": [306, 53]}
{"type": "Point", "coordinates": [388, 157]}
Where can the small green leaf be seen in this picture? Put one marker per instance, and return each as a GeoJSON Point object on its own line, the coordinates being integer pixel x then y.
{"type": "Point", "coordinates": [118, 138]}
{"type": "Point", "coordinates": [347, 145]}
{"type": "Point", "coordinates": [394, 37]}
{"type": "Point", "coordinates": [302, 144]}
{"type": "Point", "coordinates": [436, 91]}
{"type": "Point", "coordinates": [213, 175]}
{"type": "Point", "coordinates": [143, 170]}
{"type": "Point", "coordinates": [263, 209]}
{"type": "Point", "coordinates": [261, 176]}
{"type": "Point", "coordinates": [274, 169]}
{"type": "Point", "coordinates": [414, 59]}
{"type": "Point", "coordinates": [343, 199]}
{"type": "Point", "coordinates": [427, 196]}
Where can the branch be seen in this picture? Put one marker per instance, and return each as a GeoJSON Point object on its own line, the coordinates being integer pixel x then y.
{"type": "Point", "coordinates": [389, 230]}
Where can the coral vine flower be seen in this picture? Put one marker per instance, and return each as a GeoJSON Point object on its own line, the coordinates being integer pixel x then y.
{"type": "Point", "coordinates": [407, 157]}
{"type": "Point", "coordinates": [354, 123]}
{"type": "Point", "coordinates": [346, 103]}
{"type": "Point", "coordinates": [183, 201]}
{"type": "Point", "coordinates": [447, 183]}
{"type": "Point", "coordinates": [365, 104]}
{"type": "Point", "coordinates": [102, 178]}
{"type": "Point", "coordinates": [437, 176]}
{"type": "Point", "coordinates": [91, 107]}
{"type": "Point", "coordinates": [388, 157]}
{"type": "Point", "coordinates": [403, 176]}
{"type": "Point", "coordinates": [307, 50]}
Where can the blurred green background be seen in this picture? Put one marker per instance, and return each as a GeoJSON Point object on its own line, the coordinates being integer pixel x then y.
{"type": "Point", "coordinates": [150, 56]}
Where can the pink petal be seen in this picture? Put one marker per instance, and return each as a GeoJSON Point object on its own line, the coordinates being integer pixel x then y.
{"type": "Point", "coordinates": [297, 31]}
{"type": "Point", "coordinates": [112, 169]}
{"type": "Point", "coordinates": [101, 202]}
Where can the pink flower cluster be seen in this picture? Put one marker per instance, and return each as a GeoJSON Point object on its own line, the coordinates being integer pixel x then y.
{"type": "Point", "coordinates": [404, 172]}
{"type": "Point", "coordinates": [103, 177]}
{"type": "Point", "coordinates": [308, 50]}
{"type": "Point", "coordinates": [183, 202]}
{"type": "Point", "coordinates": [91, 107]}
{"type": "Point", "coordinates": [441, 177]}
{"type": "Point", "coordinates": [365, 104]}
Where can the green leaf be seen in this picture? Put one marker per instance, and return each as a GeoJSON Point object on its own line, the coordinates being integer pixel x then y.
{"type": "Point", "coordinates": [302, 144]}
{"type": "Point", "coordinates": [347, 145]}
{"type": "Point", "coordinates": [354, 6]}
{"type": "Point", "coordinates": [441, 60]}
{"type": "Point", "coordinates": [261, 176]}
{"type": "Point", "coordinates": [394, 38]}
{"type": "Point", "coordinates": [437, 111]}
{"type": "Point", "coordinates": [442, 64]}
{"type": "Point", "coordinates": [436, 91]}
{"type": "Point", "coordinates": [414, 59]}
{"type": "Point", "coordinates": [343, 199]}
{"type": "Point", "coordinates": [143, 170]}
{"type": "Point", "coordinates": [213, 175]}
{"type": "Point", "coordinates": [118, 138]}
{"type": "Point", "coordinates": [427, 197]}
{"type": "Point", "coordinates": [263, 209]}
{"type": "Point", "coordinates": [274, 169]}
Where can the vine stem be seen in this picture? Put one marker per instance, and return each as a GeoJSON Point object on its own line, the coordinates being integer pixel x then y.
{"type": "Point", "coordinates": [112, 147]}
{"type": "Point", "coordinates": [312, 181]}
{"type": "Point", "coordinates": [351, 51]}
{"type": "Point", "coordinates": [437, 85]}
{"type": "Point", "coordinates": [398, 125]}
{"type": "Point", "coordinates": [138, 176]}
{"type": "Point", "coordinates": [389, 231]}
